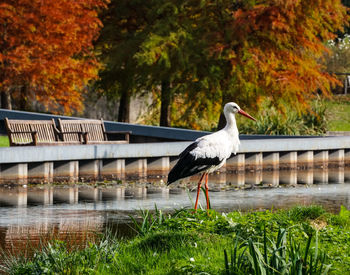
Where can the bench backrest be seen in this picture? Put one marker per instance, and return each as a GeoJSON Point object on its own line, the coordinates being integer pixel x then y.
{"type": "Point", "coordinates": [72, 128]}
{"type": "Point", "coordinates": [93, 129]}
{"type": "Point", "coordinates": [22, 132]}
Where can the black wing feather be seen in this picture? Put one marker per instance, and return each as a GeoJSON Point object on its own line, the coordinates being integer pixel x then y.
{"type": "Point", "coordinates": [188, 165]}
{"type": "Point", "coordinates": [188, 149]}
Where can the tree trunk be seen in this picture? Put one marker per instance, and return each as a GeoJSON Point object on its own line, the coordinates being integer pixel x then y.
{"type": "Point", "coordinates": [22, 103]}
{"type": "Point", "coordinates": [6, 100]}
{"type": "Point", "coordinates": [165, 104]}
{"type": "Point", "coordinates": [124, 107]}
{"type": "Point", "coordinates": [222, 122]}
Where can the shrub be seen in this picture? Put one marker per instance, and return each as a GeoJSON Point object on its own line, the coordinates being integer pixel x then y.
{"type": "Point", "coordinates": [272, 122]}
{"type": "Point", "coordinates": [302, 213]}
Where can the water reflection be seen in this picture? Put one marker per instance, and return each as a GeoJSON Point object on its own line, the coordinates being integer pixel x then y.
{"type": "Point", "coordinates": [305, 177]}
{"type": "Point", "coordinates": [321, 176]}
{"type": "Point", "coordinates": [235, 179]}
{"type": "Point", "coordinates": [336, 175]}
{"type": "Point", "coordinates": [28, 213]}
{"type": "Point", "coordinates": [288, 177]}
{"type": "Point", "coordinates": [22, 196]}
{"type": "Point", "coordinates": [271, 178]}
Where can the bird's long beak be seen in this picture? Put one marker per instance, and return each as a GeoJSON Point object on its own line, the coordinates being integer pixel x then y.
{"type": "Point", "coordinates": [246, 114]}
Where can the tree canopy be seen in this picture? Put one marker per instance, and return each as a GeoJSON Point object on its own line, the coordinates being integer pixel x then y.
{"type": "Point", "coordinates": [269, 48]}
{"type": "Point", "coordinates": [212, 52]}
{"type": "Point", "coordinates": [46, 50]}
{"type": "Point", "coordinates": [195, 55]}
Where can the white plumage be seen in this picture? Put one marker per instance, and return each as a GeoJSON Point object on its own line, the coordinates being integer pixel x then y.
{"type": "Point", "coordinates": [209, 153]}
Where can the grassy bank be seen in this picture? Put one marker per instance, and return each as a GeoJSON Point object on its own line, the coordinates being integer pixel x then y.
{"type": "Point", "coordinates": [305, 239]}
{"type": "Point", "coordinates": [4, 141]}
{"type": "Point", "coordinates": [338, 113]}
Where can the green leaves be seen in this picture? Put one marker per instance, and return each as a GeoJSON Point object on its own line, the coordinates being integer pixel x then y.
{"type": "Point", "coordinates": [159, 49]}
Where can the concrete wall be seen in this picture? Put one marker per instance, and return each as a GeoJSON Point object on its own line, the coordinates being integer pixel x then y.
{"type": "Point", "coordinates": [120, 161]}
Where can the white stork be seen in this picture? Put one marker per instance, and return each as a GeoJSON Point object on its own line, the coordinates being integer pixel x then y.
{"type": "Point", "coordinates": [209, 153]}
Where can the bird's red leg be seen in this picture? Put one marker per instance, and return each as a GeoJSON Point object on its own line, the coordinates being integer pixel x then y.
{"type": "Point", "coordinates": [206, 190]}
{"type": "Point", "coordinates": [198, 190]}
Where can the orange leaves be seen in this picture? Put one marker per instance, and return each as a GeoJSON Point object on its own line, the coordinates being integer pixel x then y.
{"type": "Point", "coordinates": [278, 45]}
{"type": "Point", "coordinates": [46, 46]}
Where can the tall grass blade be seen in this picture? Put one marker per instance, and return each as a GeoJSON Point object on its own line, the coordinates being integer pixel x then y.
{"type": "Point", "coordinates": [190, 197]}
{"type": "Point", "coordinates": [227, 267]}
{"type": "Point", "coordinates": [265, 248]}
{"type": "Point", "coordinates": [256, 258]}
{"type": "Point", "coordinates": [307, 252]}
{"type": "Point", "coordinates": [203, 190]}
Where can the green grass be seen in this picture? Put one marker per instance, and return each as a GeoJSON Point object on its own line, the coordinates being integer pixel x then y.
{"type": "Point", "coordinates": [302, 240]}
{"type": "Point", "coordinates": [338, 113]}
{"type": "Point", "coordinates": [4, 141]}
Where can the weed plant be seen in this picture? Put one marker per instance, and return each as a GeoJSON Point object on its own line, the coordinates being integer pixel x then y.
{"type": "Point", "coordinates": [149, 222]}
{"type": "Point", "coordinates": [302, 240]}
{"type": "Point", "coordinates": [275, 257]}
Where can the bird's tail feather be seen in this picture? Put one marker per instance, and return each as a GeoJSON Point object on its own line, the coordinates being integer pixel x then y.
{"type": "Point", "coordinates": [179, 171]}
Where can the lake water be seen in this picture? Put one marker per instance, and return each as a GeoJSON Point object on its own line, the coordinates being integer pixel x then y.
{"type": "Point", "coordinates": [30, 213]}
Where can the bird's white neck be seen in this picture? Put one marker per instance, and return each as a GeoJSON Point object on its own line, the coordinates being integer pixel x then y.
{"type": "Point", "coordinates": [231, 125]}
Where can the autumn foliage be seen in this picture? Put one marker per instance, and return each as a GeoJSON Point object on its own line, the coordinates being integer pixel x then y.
{"type": "Point", "coordinates": [265, 49]}
{"type": "Point", "coordinates": [278, 47]}
{"type": "Point", "coordinates": [245, 51]}
{"type": "Point", "coordinates": [46, 50]}
{"type": "Point", "coordinates": [195, 55]}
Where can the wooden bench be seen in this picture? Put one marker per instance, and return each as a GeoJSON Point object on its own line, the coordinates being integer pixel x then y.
{"type": "Point", "coordinates": [33, 132]}
{"type": "Point", "coordinates": [92, 130]}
